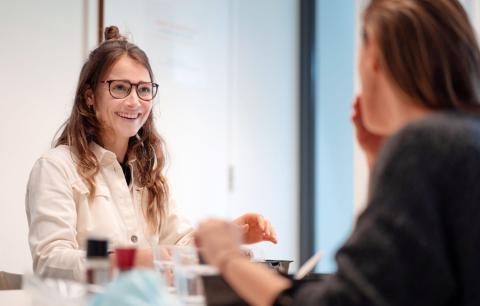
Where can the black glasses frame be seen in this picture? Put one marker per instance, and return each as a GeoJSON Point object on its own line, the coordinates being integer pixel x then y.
{"type": "Point", "coordinates": [154, 88]}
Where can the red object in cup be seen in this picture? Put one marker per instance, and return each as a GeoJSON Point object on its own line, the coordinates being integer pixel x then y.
{"type": "Point", "coordinates": [125, 258]}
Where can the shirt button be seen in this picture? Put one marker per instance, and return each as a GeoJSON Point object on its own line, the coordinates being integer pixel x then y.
{"type": "Point", "coordinates": [134, 238]}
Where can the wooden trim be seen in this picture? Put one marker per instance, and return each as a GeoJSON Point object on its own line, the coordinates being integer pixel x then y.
{"type": "Point", "coordinates": [100, 21]}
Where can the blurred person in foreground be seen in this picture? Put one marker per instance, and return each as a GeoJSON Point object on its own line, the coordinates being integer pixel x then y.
{"type": "Point", "coordinates": [417, 119]}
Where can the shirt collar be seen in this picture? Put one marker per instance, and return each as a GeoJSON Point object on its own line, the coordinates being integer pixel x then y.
{"type": "Point", "coordinates": [106, 157]}
{"type": "Point", "coordinates": [103, 155]}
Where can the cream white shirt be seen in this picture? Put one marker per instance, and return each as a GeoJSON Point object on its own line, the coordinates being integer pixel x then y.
{"type": "Point", "coordinates": [61, 216]}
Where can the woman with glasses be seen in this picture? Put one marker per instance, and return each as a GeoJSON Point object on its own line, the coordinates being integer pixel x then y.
{"type": "Point", "coordinates": [418, 241]}
{"type": "Point", "coordinates": [104, 177]}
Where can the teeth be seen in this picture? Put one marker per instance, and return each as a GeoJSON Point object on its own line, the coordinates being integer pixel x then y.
{"type": "Point", "coordinates": [129, 115]}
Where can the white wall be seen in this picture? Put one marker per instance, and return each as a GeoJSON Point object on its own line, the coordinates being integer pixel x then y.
{"type": "Point", "coordinates": [264, 118]}
{"type": "Point", "coordinates": [186, 42]}
{"type": "Point", "coordinates": [473, 9]}
{"type": "Point", "coordinates": [40, 59]}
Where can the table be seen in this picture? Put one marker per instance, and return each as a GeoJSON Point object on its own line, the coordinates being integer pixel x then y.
{"type": "Point", "coordinates": [15, 298]}
{"type": "Point", "coordinates": [22, 298]}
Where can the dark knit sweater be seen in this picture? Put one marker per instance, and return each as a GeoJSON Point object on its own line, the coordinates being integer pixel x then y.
{"type": "Point", "coordinates": [418, 241]}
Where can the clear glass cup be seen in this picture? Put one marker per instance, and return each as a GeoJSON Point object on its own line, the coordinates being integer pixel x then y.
{"type": "Point", "coordinates": [164, 265]}
{"type": "Point", "coordinates": [188, 275]}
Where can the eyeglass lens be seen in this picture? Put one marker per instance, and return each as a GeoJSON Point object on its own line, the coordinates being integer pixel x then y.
{"type": "Point", "coordinates": [121, 89]}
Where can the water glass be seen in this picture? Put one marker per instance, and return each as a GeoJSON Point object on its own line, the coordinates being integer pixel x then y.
{"type": "Point", "coordinates": [188, 271]}
{"type": "Point", "coordinates": [163, 262]}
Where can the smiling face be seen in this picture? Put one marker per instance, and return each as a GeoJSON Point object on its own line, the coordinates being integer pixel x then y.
{"type": "Point", "coordinates": [120, 119]}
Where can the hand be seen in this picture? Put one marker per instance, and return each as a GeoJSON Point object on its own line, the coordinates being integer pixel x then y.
{"type": "Point", "coordinates": [369, 142]}
{"type": "Point", "coordinates": [144, 258]}
{"type": "Point", "coordinates": [218, 240]}
{"type": "Point", "coordinates": [256, 228]}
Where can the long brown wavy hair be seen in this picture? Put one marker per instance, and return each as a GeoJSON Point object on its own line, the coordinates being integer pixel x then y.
{"type": "Point", "coordinates": [430, 50]}
{"type": "Point", "coordinates": [147, 148]}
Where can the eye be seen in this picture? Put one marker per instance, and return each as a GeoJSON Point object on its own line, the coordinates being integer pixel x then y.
{"type": "Point", "coordinates": [145, 89]}
{"type": "Point", "coordinates": [119, 86]}
{"type": "Point", "coordinates": [120, 89]}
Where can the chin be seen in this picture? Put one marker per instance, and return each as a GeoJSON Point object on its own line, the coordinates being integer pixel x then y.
{"type": "Point", "coordinates": [380, 128]}
{"type": "Point", "coordinates": [374, 126]}
{"type": "Point", "coordinates": [128, 134]}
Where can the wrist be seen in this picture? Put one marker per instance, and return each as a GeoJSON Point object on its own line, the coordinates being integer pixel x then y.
{"type": "Point", "coordinates": [226, 257]}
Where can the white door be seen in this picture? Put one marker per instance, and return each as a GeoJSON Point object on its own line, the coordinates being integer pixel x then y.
{"type": "Point", "coordinates": [227, 104]}
{"type": "Point", "coordinates": [186, 42]}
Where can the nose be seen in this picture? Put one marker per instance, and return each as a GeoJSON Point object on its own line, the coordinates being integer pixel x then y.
{"type": "Point", "coordinates": [132, 99]}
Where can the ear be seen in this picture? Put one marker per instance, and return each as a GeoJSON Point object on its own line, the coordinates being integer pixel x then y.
{"type": "Point", "coordinates": [370, 54]}
{"type": "Point", "coordinates": [89, 97]}
{"type": "Point", "coordinates": [376, 63]}
{"type": "Point", "coordinates": [375, 57]}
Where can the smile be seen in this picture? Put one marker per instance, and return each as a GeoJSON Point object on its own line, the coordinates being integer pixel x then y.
{"type": "Point", "coordinates": [128, 115]}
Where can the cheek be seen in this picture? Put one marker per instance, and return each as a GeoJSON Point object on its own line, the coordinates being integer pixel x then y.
{"type": "Point", "coordinates": [148, 110]}
{"type": "Point", "coordinates": [368, 110]}
{"type": "Point", "coordinates": [365, 79]}
{"type": "Point", "coordinates": [370, 103]}
{"type": "Point", "coordinates": [375, 115]}
{"type": "Point", "coordinates": [102, 113]}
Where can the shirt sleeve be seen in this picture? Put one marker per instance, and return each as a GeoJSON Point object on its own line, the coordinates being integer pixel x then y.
{"type": "Point", "coordinates": [176, 229]}
{"type": "Point", "coordinates": [52, 219]}
{"type": "Point", "coordinates": [397, 253]}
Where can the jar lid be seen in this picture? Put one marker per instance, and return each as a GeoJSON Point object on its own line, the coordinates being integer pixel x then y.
{"type": "Point", "coordinates": [97, 248]}
{"type": "Point", "coordinates": [125, 258]}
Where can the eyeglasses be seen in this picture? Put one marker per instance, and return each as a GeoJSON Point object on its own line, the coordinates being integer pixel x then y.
{"type": "Point", "coordinates": [120, 89]}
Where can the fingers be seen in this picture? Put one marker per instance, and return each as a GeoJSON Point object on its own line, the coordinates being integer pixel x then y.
{"type": "Point", "coordinates": [273, 236]}
{"type": "Point", "coordinates": [356, 103]}
{"type": "Point", "coordinates": [253, 220]}
{"type": "Point", "coordinates": [362, 135]}
{"type": "Point", "coordinates": [357, 113]}
{"type": "Point", "coordinates": [244, 228]}
{"type": "Point", "coordinates": [261, 222]}
{"type": "Point", "coordinates": [240, 220]}
{"type": "Point", "coordinates": [268, 228]}
{"type": "Point", "coordinates": [255, 228]}
{"type": "Point", "coordinates": [269, 233]}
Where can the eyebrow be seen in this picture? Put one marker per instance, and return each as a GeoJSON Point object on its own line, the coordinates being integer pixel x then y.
{"type": "Point", "coordinates": [127, 80]}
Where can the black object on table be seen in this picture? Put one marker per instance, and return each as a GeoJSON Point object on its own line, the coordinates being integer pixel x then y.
{"type": "Point", "coordinates": [219, 293]}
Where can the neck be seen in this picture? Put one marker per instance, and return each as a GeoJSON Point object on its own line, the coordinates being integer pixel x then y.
{"type": "Point", "coordinates": [404, 109]}
{"type": "Point", "coordinates": [117, 146]}
{"type": "Point", "coordinates": [410, 110]}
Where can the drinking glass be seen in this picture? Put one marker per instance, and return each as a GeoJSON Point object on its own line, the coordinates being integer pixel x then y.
{"type": "Point", "coordinates": [188, 275]}
{"type": "Point", "coordinates": [163, 262]}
